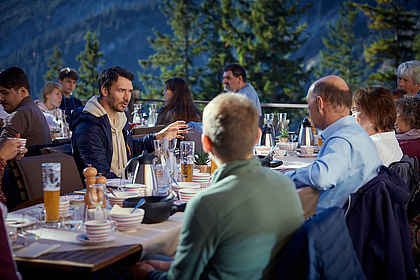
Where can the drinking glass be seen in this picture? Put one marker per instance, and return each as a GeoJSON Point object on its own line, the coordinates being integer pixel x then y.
{"type": "Point", "coordinates": [77, 217]}
{"type": "Point", "coordinates": [97, 196]}
{"type": "Point", "coordinates": [34, 230]}
{"type": "Point", "coordinates": [51, 179]}
{"type": "Point", "coordinates": [291, 149]}
{"type": "Point", "coordinates": [187, 160]}
{"type": "Point", "coordinates": [172, 160]}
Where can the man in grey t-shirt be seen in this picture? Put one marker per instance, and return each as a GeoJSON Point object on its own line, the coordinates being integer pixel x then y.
{"type": "Point", "coordinates": [234, 80]}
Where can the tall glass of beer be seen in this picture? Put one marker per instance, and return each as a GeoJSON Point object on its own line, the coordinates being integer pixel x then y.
{"type": "Point", "coordinates": [51, 179]}
{"type": "Point", "coordinates": [187, 160]}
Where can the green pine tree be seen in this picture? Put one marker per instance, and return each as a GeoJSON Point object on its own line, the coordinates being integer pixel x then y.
{"type": "Point", "coordinates": [265, 39]}
{"type": "Point", "coordinates": [416, 47]}
{"type": "Point", "coordinates": [174, 54]}
{"type": "Point", "coordinates": [56, 63]}
{"type": "Point", "coordinates": [393, 44]}
{"type": "Point", "coordinates": [218, 53]}
{"type": "Point", "coordinates": [341, 56]}
{"type": "Point", "coordinates": [90, 59]}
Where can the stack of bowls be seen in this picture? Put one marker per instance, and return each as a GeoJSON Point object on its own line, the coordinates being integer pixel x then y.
{"type": "Point", "coordinates": [185, 185]}
{"type": "Point", "coordinates": [98, 230]}
{"type": "Point", "coordinates": [64, 207]}
{"type": "Point", "coordinates": [137, 188]}
{"type": "Point", "coordinates": [128, 222]}
{"type": "Point", "coordinates": [120, 196]}
{"type": "Point", "coordinates": [203, 179]}
{"type": "Point", "coordinates": [185, 195]}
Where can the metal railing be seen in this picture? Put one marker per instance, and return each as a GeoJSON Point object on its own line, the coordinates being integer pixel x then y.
{"type": "Point", "coordinates": [266, 105]}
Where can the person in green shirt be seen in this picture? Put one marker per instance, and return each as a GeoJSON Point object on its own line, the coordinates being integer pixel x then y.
{"type": "Point", "coordinates": [235, 228]}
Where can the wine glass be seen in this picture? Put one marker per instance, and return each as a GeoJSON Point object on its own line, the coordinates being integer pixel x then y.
{"type": "Point", "coordinates": [34, 230]}
{"type": "Point", "coordinates": [97, 196]}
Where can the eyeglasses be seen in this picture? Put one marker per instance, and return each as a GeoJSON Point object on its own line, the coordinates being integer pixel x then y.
{"type": "Point", "coordinates": [354, 111]}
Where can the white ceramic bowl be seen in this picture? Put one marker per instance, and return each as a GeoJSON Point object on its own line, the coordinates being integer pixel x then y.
{"type": "Point", "coordinates": [185, 185]}
{"type": "Point", "coordinates": [128, 222]}
{"type": "Point", "coordinates": [103, 214]}
{"type": "Point", "coordinates": [186, 194]}
{"type": "Point", "coordinates": [120, 196]}
{"type": "Point", "coordinates": [137, 188]}
{"type": "Point", "coordinates": [98, 230]}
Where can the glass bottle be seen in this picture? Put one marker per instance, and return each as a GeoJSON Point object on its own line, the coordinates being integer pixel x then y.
{"type": "Point", "coordinates": [162, 166]}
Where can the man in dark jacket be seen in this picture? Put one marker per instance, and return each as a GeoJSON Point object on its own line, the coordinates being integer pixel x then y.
{"type": "Point", "coordinates": [101, 133]}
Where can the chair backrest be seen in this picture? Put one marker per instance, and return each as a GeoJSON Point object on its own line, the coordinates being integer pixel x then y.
{"type": "Point", "coordinates": [309, 197]}
{"type": "Point", "coordinates": [194, 135]}
{"type": "Point", "coordinates": [31, 171]}
{"type": "Point", "coordinates": [320, 249]}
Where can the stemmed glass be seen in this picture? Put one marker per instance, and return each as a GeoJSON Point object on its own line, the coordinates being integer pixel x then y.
{"type": "Point", "coordinates": [97, 196]}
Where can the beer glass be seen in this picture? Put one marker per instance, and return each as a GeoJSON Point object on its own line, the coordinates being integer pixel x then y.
{"type": "Point", "coordinates": [187, 160]}
{"type": "Point", "coordinates": [51, 178]}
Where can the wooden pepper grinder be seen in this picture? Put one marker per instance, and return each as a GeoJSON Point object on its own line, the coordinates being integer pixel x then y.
{"type": "Point", "coordinates": [90, 178]}
{"type": "Point", "coordinates": [101, 180]}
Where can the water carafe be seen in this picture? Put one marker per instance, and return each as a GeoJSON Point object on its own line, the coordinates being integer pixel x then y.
{"type": "Point", "coordinates": [306, 136]}
{"type": "Point", "coordinates": [144, 172]}
{"type": "Point", "coordinates": [162, 166]}
{"type": "Point", "coordinates": [268, 133]}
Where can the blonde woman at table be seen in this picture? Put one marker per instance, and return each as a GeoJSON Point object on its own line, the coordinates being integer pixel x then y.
{"type": "Point", "coordinates": [52, 95]}
{"type": "Point", "coordinates": [235, 228]}
{"type": "Point", "coordinates": [180, 105]}
{"type": "Point", "coordinates": [374, 109]}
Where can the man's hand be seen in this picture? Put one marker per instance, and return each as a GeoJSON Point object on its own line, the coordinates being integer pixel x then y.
{"type": "Point", "coordinates": [171, 131]}
{"type": "Point", "coordinates": [140, 270]}
{"type": "Point", "coordinates": [21, 152]}
{"type": "Point", "coordinates": [159, 265]}
{"type": "Point", "coordinates": [9, 149]}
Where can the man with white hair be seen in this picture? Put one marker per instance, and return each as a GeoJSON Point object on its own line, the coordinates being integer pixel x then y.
{"type": "Point", "coordinates": [409, 76]}
{"type": "Point", "coordinates": [235, 228]}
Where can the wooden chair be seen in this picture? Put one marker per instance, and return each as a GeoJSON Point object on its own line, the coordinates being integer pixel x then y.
{"type": "Point", "coordinates": [31, 171]}
{"type": "Point", "coordinates": [139, 132]}
{"type": "Point", "coordinates": [309, 198]}
{"type": "Point", "coordinates": [194, 135]}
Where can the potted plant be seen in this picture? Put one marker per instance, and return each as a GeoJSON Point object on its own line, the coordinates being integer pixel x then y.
{"type": "Point", "coordinates": [284, 136]}
{"type": "Point", "coordinates": [201, 160]}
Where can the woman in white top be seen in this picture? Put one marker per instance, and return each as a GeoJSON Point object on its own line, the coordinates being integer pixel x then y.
{"type": "Point", "coordinates": [52, 94]}
{"type": "Point", "coordinates": [375, 110]}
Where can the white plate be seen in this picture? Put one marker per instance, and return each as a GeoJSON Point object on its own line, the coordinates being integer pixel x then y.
{"type": "Point", "coordinates": [17, 220]}
{"type": "Point", "coordinates": [84, 239]}
{"type": "Point", "coordinates": [306, 156]}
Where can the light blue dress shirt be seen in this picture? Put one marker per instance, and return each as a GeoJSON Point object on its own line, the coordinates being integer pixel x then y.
{"type": "Point", "coordinates": [252, 96]}
{"type": "Point", "coordinates": [347, 160]}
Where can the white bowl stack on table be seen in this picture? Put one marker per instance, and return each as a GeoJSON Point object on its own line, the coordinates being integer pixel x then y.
{"type": "Point", "coordinates": [137, 188]}
{"type": "Point", "coordinates": [64, 206]}
{"type": "Point", "coordinates": [203, 179]}
{"type": "Point", "coordinates": [97, 230]}
{"type": "Point", "coordinates": [126, 221]}
{"type": "Point", "coordinates": [185, 185]}
{"type": "Point", "coordinates": [120, 196]}
{"type": "Point", "coordinates": [185, 195]}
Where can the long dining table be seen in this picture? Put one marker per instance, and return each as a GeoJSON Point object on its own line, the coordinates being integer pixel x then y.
{"type": "Point", "coordinates": [76, 259]}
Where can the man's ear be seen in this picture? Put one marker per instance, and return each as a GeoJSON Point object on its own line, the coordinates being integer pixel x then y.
{"type": "Point", "coordinates": [206, 143]}
{"type": "Point", "coordinates": [321, 104]}
{"type": "Point", "coordinates": [22, 92]}
{"type": "Point", "coordinates": [60, 81]}
{"type": "Point", "coordinates": [104, 91]}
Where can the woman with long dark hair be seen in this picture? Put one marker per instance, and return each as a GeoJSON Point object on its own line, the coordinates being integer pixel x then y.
{"type": "Point", "coordinates": [180, 105]}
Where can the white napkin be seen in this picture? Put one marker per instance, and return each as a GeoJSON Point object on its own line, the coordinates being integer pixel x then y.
{"type": "Point", "coordinates": [35, 250]}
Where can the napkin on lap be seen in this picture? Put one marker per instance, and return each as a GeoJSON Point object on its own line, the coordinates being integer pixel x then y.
{"type": "Point", "coordinates": [35, 250]}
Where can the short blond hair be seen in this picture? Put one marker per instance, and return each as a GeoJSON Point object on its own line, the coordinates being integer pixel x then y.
{"type": "Point", "coordinates": [48, 88]}
{"type": "Point", "coordinates": [231, 122]}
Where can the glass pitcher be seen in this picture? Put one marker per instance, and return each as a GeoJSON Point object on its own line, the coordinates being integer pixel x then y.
{"type": "Point", "coordinates": [162, 166]}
